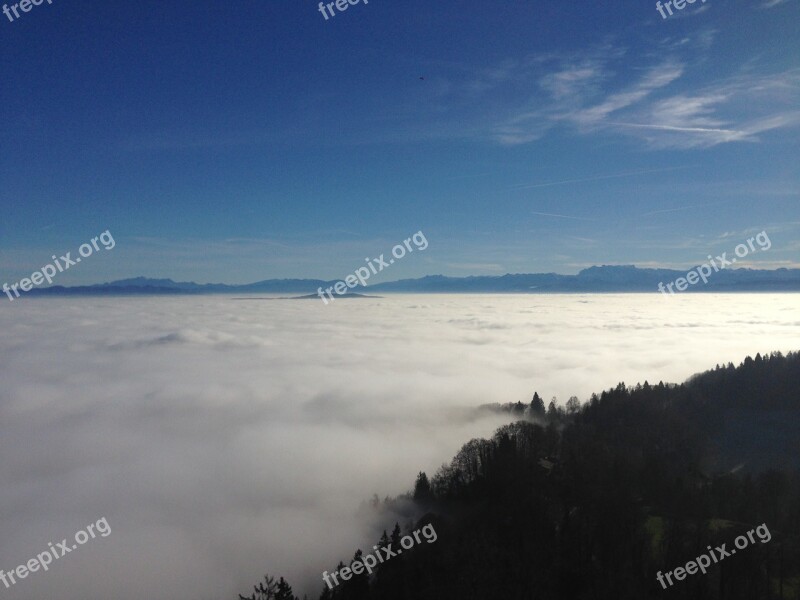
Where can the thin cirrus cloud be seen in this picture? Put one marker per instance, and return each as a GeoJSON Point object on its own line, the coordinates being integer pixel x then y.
{"type": "Point", "coordinates": [658, 77]}
{"type": "Point", "coordinates": [689, 121]}
{"type": "Point", "coordinates": [773, 3]}
{"type": "Point", "coordinates": [595, 178]}
{"type": "Point", "coordinates": [558, 216]}
{"type": "Point", "coordinates": [581, 94]}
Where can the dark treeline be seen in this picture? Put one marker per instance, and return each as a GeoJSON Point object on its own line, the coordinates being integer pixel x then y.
{"type": "Point", "coordinates": [591, 501]}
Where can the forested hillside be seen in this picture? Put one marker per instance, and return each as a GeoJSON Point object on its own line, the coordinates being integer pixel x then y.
{"type": "Point", "coordinates": [592, 501]}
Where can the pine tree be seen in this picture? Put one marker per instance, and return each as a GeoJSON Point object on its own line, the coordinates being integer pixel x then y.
{"type": "Point", "coordinates": [537, 406]}
{"type": "Point", "coordinates": [264, 592]}
{"type": "Point", "coordinates": [284, 591]}
{"type": "Point", "coordinates": [422, 489]}
{"type": "Point", "coordinates": [396, 535]}
{"type": "Point", "coordinates": [384, 541]}
{"type": "Point", "coordinates": [357, 588]}
{"type": "Point", "coordinates": [552, 411]}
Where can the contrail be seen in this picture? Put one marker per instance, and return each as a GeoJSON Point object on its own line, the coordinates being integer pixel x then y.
{"type": "Point", "coordinates": [561, 216]}
{"type": "Point", "coordinates": [628, 174]}
{"type": "Point", "coordinates": [676, 128]}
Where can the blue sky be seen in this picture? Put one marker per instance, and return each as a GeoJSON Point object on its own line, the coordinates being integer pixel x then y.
{"type": "Point", "coordinates": [234, 142]}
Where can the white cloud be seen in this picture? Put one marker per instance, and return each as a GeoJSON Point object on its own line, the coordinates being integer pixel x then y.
{"type": "Point", "coordinates": [224, 439]}
{"type": "Point", "coordinates": [662, 107]}
{"type": "Point", "coordinates": [772, 3]}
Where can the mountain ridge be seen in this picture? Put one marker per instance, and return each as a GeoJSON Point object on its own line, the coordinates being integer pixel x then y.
{"type": "Point", "coordinates": [603, 278]}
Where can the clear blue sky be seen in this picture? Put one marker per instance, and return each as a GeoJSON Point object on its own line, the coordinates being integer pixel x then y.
{"type": "Point", "coordinates": [239, 141]}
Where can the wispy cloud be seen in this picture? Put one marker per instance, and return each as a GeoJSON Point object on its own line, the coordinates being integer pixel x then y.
{"type": "Point", "coordinates": [658, 77]}
{"type": "Point", "coordinates": [711, 116]}
{"type": "Point", "coordinates": [683, 208]}
{"type": "Point", "coordinates": [596, 178]}
{"type": "Point", "coordinates": [544, 214]}
{"type": "Point", "coordinates": [659, 108]}
{"type": "Point", "coordinates": [688, 14]}
{"type": "Point", "coordinates": [772, 3]}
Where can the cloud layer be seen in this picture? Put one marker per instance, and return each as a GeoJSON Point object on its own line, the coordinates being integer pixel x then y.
{"type": "Point", "coordinates": [225, 439]}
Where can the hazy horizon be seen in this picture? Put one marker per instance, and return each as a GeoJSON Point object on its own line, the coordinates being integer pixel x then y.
{"type": "Point", "coordinates": [675, 269]}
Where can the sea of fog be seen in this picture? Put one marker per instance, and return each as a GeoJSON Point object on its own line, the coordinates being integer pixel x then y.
{"type": "Point", "coordinates": [224, 438]}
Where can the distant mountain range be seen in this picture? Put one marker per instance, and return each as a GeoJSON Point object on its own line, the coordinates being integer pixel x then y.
{"type": "Point", "coordinates": [624, 278]}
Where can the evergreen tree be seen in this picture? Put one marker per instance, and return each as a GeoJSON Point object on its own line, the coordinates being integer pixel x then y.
{"type": "Point", "coordinates": [384, 541]}
{"type": "Point", "coordinates": [422, 489]}
{"type": "Point", "coordinates": [396, 536]}
{"type": "Point", "coordinates": [552, 411]}
{"type": "Point", "coordinates": [537, 406]}
{"type": "Point", "coordinates": [357, 587]}
{"type": "Point", "coordinates": [283, 591]}
{"type": "Point", "coordinates": [264, 591]}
